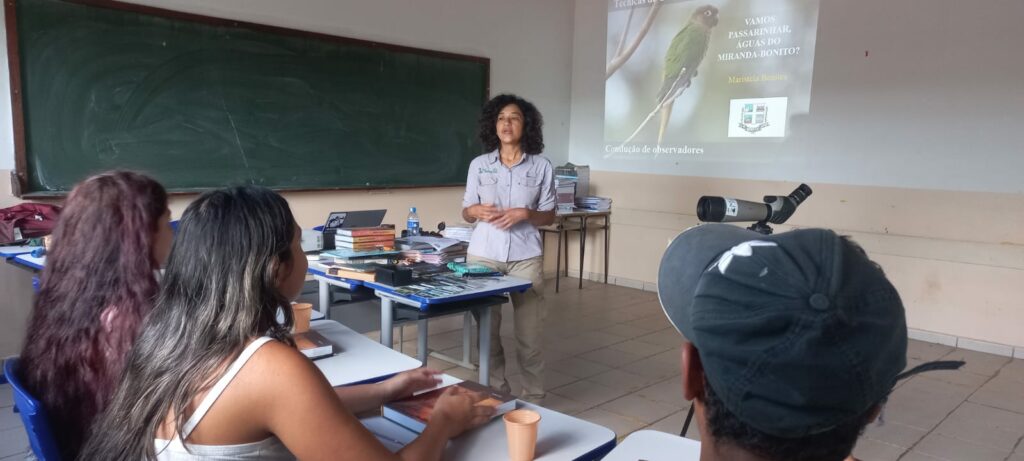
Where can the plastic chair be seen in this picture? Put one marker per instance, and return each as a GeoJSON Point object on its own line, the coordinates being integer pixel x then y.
{"type": "Point", "coordinates": [33, 416]}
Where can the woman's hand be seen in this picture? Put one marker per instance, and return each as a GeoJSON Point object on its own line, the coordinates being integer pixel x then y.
{"type": "Point", "coordinates": [484, 212]}
{"type": "Point", "coordinates": [510, 217]}
{"type": "Point", "coordinates": [456, 411]}
{"type": "Point", "coordinates": [406, 383]}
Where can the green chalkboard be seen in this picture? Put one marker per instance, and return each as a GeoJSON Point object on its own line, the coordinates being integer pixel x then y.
{"type": "Point", "coordinates": [201, 102]}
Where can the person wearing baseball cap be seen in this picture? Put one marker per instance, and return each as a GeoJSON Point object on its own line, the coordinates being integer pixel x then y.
{"type": "Point", "coordinates": [792, 344]}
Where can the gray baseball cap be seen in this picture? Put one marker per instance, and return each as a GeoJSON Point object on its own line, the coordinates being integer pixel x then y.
{"type": "Point", "coordinates": [797, 332]}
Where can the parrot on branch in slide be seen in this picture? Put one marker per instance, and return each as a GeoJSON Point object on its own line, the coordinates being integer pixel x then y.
{"type": "Point", "coordinates": [682, 58]}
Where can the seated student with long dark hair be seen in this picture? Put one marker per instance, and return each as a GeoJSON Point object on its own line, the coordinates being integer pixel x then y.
{"type": "Point", "coordinates": [98, 285]}
{"type": "Point", "coordinates": [215, 376]}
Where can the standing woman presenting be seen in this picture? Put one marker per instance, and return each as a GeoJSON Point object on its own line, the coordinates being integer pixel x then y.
{"type": "Point", "coordinates": [511, 191]}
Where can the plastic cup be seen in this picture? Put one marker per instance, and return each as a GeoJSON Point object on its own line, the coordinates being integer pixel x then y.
{"type": "Point", "coordinates": [521, 427]}
{"type": "Point", "coordinates": [301, 312]}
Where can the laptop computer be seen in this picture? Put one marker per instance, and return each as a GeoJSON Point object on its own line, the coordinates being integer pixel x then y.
{"type": "Point", "coordinates": [350, 219]}
{"type": "Point", "coordinates": [347, 220]}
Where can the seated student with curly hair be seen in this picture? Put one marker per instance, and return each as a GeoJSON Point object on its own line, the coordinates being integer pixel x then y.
{"type": "Point", "coordinates": [792, 344]}
{"type": "Point", "coordinates": [99, 284]}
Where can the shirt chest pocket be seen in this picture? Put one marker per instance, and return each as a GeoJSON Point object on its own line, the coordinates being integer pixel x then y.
{"type": "Point", "coordinates": [526, 192]}
{"type": "Point", "coordinates": [487, 189]}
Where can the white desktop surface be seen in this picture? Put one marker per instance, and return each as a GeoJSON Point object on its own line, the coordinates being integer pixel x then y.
{"type": "Point", "coordinates": [15, 250]}
{"type": "Point", "coordinates": [655, 446]}
{"type": "Point", "coordinates": [31, 261]}
{"type": "Point", "coordinates": [560, 437]}
{"type": "Point", "coordinates": [361, 358]}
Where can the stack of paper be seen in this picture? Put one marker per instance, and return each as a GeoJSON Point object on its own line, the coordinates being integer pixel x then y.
{"type": "Point", "coordinates": [461, 232]}
{"type": "Point", "coordinates": [594, 203]}
{"type": "Point", "coordinates": [432, 250]}
{"type": "Point", "coordinates": [565, 193]}
{"type": "Point", "coordinates": [433, 256]}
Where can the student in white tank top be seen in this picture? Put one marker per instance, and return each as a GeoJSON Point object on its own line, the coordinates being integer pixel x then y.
{"type": "Point", "coordinates": [213, 376]}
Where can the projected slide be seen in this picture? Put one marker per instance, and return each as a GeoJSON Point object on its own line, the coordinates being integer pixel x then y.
{"type": "Point", "coordinates": [685, 75]}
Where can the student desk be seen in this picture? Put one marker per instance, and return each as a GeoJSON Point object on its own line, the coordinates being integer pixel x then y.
{"type": "Point", "coordinates": [31, 262]}
{"type": "Point", "coordinates": [361, 359]}
{"type": "Point", "coordinates": [8, 252]}
{"type": "Point", "coordinates": [655, 446]}
{"type": "Point", "coordinates": [559, 437]}
{"type": "Point", "coordinates": [487, 293]}
{"type": "Point", "coordinates": [561, 228]}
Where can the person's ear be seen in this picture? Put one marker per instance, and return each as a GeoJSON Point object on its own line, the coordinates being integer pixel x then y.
{"type": "Point", "coordinates": [693, 372]}
{"type": "Point", "coordinates": [282, 269]}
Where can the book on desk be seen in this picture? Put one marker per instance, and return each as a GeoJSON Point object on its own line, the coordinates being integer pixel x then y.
{"type": "Point", "coordinates": [351, 255]}
{"type": "Point", "coordinates": [313, 344]}
{"type": "Point", "coordinates": [414, 412]}
{"type": "Point", "coordinates": [366, 273]}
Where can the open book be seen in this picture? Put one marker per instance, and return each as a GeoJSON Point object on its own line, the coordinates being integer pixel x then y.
{"type": "Point", "coordinates": [414, 412]}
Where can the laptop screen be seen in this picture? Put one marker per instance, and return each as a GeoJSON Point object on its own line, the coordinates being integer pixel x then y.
{"type": "Point", "coordinates": [349, 219]}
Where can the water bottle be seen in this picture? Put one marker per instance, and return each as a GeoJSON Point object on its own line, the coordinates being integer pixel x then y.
{"type": "Point", "coordinates": [412, 224]}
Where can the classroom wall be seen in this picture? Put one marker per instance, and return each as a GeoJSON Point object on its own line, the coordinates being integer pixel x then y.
{"type": "Point", "coordinates": [529, 43]}
{"type": "Point", "coordinates": [957, 258]}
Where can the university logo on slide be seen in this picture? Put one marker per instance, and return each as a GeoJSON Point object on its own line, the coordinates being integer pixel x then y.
{"type": "Point", "coordinates": [754, 117]}
{"type": "Point", "coordinates": [758, 117]}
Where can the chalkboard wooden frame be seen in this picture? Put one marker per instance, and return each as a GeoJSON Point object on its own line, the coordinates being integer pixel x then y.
{"type": "Point", "coordinates": [19, 177]}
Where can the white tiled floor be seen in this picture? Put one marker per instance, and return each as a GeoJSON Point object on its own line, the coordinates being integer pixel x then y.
{"type": "Point", "coordinates": [613, 359]}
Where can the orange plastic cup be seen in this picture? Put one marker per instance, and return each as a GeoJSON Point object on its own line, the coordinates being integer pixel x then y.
{"type": "Point", "coordinates": [521, 427]}
{"type": "Point", "coordinates": [301, 312]}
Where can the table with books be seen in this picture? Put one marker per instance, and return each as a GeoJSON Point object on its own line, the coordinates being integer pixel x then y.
{"type": "Point", "coordinates": [346, 262]}
{"type": "Point", "coordinates": [446, 294]}
{"type": "Point", "coordinates": [559, 436]}
{"type": "Point", "coordinates": [435, 291]}
{"type": "Point", "coordinates": [319, 271]}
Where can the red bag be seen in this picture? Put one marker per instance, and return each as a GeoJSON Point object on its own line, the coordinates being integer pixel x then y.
{"type": "Point", "coordinates": [27, 220]}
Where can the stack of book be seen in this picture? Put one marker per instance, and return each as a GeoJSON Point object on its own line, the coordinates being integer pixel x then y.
{"type": "Point", "coordinates": [436, 257]}
{"type": "Point", "coordinates": [578, 173]}
{"type": "Point", "coordinates": [365, 238]}
{"type": "Point", "coordinates": [349, 256]}
{"type": "Point", "coordinates": [432, 250]}
{"type": "Point", "coordinates": [594, 203]}
{"type": "Point", "coordinates": [565, 194]}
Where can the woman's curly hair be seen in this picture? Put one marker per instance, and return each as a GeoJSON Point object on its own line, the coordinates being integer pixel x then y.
{"type": "Point", "coordinates": [532, 141]}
